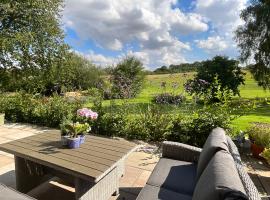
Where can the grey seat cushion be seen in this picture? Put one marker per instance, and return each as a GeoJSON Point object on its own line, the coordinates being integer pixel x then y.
{"type": "Point", "coordinates": [7, 193]}
{"type": "Point", "coordinates": [150, 192]}
{"type": "Point", "coordinates": [220, 180]}
{"type": "Point", "coordinates": [174, 175]}
{"type": "Point", "coordinates": [216, 141]}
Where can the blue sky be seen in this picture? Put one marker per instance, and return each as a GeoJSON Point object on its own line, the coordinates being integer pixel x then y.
{"type": "Point", "coordinates": [158, 32]}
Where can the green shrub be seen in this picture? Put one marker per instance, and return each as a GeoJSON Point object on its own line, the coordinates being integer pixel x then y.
{"type": "Point", "coordinates": [109, 124]}
{"type": "Point", "coordinates": [266, 155]}
{"type": "Point", "coordinates": [194, 129]}
{"type": "Point", "coordinates": [127, 78]}
{"type": "Point", "coordinates": [169, 98]}
{"type": "Point", "coordinates": [27, 108]}
{"type": "Point", "coordinates": [260, 134]}
{"type": "Point", "coordinates": [151, 125]}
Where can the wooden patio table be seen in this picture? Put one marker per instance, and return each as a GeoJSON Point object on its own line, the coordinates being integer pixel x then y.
{"type": "Point", "coordinates": [94, 169]}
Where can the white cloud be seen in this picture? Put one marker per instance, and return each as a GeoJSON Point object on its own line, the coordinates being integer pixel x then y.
{"type": "Point", "coordinates": [224, 16]}
{"type": "Point", "coordinates": [155, 26]}
{"type": "Point", "coordinates": [114, 24]}
{"type": "Point", "coordinates": [213, 44]}
{"type": "Point", "coordinates": [99, 59]}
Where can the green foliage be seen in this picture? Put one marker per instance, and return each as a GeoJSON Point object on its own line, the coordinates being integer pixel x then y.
{"type": "Point", "coordinates": [194, 129]}
{"type": "Point", "coordinates": [31, 42]}
{"type": "Point", "coordinates": [109, 124]}
{"type": "Point", "coordinates": [37, 110]}
{"type": "Point", "coordinates": [266, 154]}
{"type": "Point", "coordinates": [253, 39]}
{"type": "Point", "coordinates": [169, 98]}
{"type": "Point", "coordinates": [223, 77]}
{"type": "Point", "coordinates": [77, 73]}
{"type": "Point", "coordinates": [74, 129]}
{"type": "Point", "coordinates": [150, 125]}
{"type": "Point", "coordinates": [127, 78]}
{"type": "Point", "coordinates": [181, 68]}
{"type": "Point", "coordinates": [153, 124]}
{"type": "Point", "coordinates": [260, 134]}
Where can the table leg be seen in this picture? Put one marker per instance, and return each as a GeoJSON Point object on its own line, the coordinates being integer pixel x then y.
{"type": "Point", "coordinates": [28, 174]}
{"type": "Point", "coordinates": [102, 190]}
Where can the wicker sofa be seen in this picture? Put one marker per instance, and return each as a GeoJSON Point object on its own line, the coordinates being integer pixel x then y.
{"type": "Point", "coordinates": [185, 172]}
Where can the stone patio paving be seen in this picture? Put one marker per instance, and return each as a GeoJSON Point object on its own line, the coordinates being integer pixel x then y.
{"type": "Point", "coordinates": [139, 166]}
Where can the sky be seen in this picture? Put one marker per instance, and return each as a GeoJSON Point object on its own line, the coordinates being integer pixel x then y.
{"type": "Point", "coordinates": [158, 32]}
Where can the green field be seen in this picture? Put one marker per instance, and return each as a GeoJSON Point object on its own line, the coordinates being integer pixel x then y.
{"type": "Point", "coordinates": [152, 86]}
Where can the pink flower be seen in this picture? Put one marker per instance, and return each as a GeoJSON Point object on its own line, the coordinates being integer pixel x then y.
{"type": "Point", "coordinates": [93, 115]}
{"type": "Point", "coordinates": [85, 112]}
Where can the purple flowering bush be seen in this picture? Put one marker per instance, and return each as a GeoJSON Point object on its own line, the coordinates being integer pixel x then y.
{"type": "Point", "coordinates": [198, 87]}
{"type": "Point", "coordinates": [169, 98]}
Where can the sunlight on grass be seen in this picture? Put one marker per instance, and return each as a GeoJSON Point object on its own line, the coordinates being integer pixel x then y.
{"type": "Point", "coordinates": [152, 87]}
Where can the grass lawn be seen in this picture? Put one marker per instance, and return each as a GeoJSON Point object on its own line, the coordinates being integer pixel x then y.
{"type": "Point", "coordinates": [174, 84]}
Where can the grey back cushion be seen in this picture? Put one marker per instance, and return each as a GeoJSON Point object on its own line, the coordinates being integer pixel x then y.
{"type": "Point", "coordinates": [220, 180]}
{"type": "Point", "coordinates": [216, 141]}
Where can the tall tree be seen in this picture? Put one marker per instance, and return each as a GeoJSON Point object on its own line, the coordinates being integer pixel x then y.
{"type": "Point", "coordinates": [31, 39]}
{"type": "Point", "coordinates": [253, 38]}
{"type": "Point", "coordinates": [127, 78]}
{"type": "Point", "coordinates": [216, 79]}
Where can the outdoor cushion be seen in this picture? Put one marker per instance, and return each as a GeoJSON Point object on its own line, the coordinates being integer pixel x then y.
{"type": "Point", "coordinates": [174, 175]}
{"type": "Point", "coordinates": [216, 141]}
{"type": "Point", "coordinates": [7, 193]}
{"type": "Point", "coordinates": [220, 180]}
{"type": "Point", "coordinates": [150, 192]}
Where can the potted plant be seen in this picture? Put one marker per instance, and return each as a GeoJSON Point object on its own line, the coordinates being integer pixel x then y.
{"type": "Point", "coordinates": [266, 155]}
{"type": "Point", "coordinates": [73, 134]}
{"type": "Point", "coordinates": [259, 135]}
{"type": "Point", "coordinates": [2, 118]}
{"type": "Point", "coordinates": [74, 130]}
{"type": "Point", "coordinates": [65, 133]}
{"type": "Point", "coordinates": [86, 115]}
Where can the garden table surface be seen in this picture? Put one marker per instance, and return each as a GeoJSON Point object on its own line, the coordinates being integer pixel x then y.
{"type": "Point", "coordinates": [89, 165]}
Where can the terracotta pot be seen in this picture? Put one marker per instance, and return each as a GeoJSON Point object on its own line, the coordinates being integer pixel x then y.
{"type": "Point", "coordinates": [256, 150]}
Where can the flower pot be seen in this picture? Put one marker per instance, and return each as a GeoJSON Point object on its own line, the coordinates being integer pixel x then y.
{"type": "Point", "coordinates": [2, 118]}
{"type": "Point", "coordinates": [256, 150]}
{"type": "Point", "coordinates": [82, 139]}
{"type": "Point", "coordinates": [74, 143]}
{"type": "Point", "coordinates": [64, 140]}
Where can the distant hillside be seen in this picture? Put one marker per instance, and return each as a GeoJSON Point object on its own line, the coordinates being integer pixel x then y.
{"type": "Point", "coordinates": [181, 68]}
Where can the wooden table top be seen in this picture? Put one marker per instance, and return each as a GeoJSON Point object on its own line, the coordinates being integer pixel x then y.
{"type": "Point", "coordinates": [93, 160]}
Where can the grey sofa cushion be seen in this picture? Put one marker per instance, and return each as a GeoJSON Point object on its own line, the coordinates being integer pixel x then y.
{"type": "Point", "coordinates": [7, 193]}
{"type": "Point", "coordinates": [150, 192]}
{"type": "Point", "coordinates": [220, 180]}
{"type": "Point", "coordinates": [216, 141]}
{"type": "Point", "coordinates": [174, 175]}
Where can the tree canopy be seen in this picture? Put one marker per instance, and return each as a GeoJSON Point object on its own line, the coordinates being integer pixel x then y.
{"type": "Point", "coordinates": [217, 78]}
{"type": "Point", "coordinates": [180, 68]}
{"type": "Point", "coordinates": [31, 40]}
{"type": "Point", "coordinates": [127, 78]}
{"type": "Point", "coordinates": [253, 38]}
